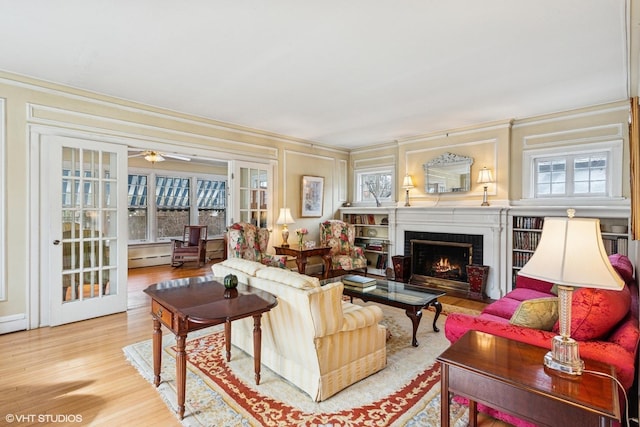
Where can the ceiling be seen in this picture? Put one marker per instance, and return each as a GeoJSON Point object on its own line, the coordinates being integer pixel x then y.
{"type": "Point", "coordinates": [339, 73]}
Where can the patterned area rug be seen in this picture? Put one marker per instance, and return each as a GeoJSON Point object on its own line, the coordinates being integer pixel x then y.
{"type": "Point", "coordinates": [405, 393]}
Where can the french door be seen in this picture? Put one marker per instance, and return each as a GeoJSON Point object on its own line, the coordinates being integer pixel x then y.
{"type": "Point", "coordinates": [84, 210]}
{"type": "Point", "coordinates": [251, 185]}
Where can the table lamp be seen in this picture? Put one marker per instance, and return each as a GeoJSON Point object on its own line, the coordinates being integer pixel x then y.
{"type": "Point", "coordinates": [485, 177]}
{"type": "Point", "coordinates": [283, 219]}
{"type": "Point", "coordinates": [407, 184]}
{"type": "Point", "coordinates": [570, 254]}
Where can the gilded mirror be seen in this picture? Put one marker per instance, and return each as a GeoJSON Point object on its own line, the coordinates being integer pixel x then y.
{"type": "Point", "coordinates": [448, 173]}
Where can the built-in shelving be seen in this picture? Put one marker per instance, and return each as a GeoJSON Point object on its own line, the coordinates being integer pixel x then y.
{"type": "Point", "coordinates": [372, 235]}
{"type": "Point", "coordinates": [527, 230]}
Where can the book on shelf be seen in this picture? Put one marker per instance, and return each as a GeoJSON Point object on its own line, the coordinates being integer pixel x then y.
{"type": "Point", "coordinates": [358, 281]}
{"type": "Point", "coordinates": [359, 288]}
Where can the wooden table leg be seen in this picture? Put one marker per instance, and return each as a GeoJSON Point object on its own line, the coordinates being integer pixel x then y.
{"type": "Point", "coordinates": [436, 304]}
{"type": "Point", "coordinates": [473, 413]}
{"type": "Point", "coordinates": [227, 338]}
{"type": "Point", "coordinates": [327, 266]}
{"type": "Point", "coordinates": [415, 314]}
{"type": "Point", "coordinates": [301, 262]}
{"type": "Point", "coordinates": [181, 372]}
{"type": "Point", "coordinates": [444, 395]}
{"type": "Point", "coordinates": [157, 351]}
{"type": "Point", "coordinates": [257, 346]}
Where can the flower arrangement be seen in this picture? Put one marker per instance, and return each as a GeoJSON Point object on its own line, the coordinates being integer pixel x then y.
{"type": "Point", "coordinates": [300, 232]}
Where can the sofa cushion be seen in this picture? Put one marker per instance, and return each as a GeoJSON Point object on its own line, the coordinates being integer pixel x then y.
{"type": "Point", "coordinates": [244, 265]}
{"type": "Point", "coordinates": [594, 312]}
{"type": "Point", "coordinates": [287, 277]}
{"type": "Point", "coordinates": [623, 266]}
{"type": "Point", "coordinates": [504, 307]}
{"type": "Point", "coordinates": [535, 284]}
{"type": "Point", "coordinates": [538, 313]}
{"type": "Point", "coordinates": [522, 294]}
{"type": "Point", "coordinates": [627, 334]}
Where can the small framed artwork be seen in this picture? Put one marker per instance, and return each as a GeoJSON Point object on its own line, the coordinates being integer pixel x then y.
{"type": "Point", "coordinates": [312, 196]}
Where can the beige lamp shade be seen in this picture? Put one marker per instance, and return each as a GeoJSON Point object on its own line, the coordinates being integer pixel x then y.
{"type": "Point", "coordinates": [407, 183]}
{"type": "Point", "coordinates": [285, 217]}
{"type": "Point", "coordinates": [485, 176]}
{"type": "Point", "coordinates": [571, 253]}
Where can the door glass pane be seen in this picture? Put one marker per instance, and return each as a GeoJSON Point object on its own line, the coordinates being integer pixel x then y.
{"type": "Point", "coordinates": [87, 191]}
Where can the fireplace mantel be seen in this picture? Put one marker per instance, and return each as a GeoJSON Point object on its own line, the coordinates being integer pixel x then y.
{"type": "Point", "coordinates": [488, 221]}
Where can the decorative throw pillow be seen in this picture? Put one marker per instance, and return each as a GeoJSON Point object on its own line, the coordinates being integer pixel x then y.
{"type": "Point", "coordinates": [594, 312]}
{"type": "Point", "coordinates": [622, 265]}
{"type": "Point", "coordinates": [539, 313]}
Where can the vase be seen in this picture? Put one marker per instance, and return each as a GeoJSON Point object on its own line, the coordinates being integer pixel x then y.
{"type": "Point", "coordinates": [300, 240]}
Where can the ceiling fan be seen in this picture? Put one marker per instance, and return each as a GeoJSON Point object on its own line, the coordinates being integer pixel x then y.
{"type": "Point", "coordinates": [156, 156]}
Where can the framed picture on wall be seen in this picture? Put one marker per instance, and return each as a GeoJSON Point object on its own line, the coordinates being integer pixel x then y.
{"type": "Point", "coordinates": [312, 196]}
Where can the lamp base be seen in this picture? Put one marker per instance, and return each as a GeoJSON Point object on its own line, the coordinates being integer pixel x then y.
{"type": "Point", "coordinates": [564, 356]}
{"type": "Point", "coordinates": [285, 237]}
{"type": "Point", "coordinates": [485, 201]}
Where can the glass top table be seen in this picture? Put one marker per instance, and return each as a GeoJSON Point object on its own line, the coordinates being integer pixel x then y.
{"type": "Point", "coordinates": [410, 298]}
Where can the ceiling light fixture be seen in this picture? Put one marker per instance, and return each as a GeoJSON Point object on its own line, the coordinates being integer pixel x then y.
{"type": "Point", "coordinates": [153, 157]}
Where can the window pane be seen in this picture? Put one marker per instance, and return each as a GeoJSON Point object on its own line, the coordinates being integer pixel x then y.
{"type": "Point", "coordinates": [375, 186]}
{"type": "Point", "coordinates": [171, 223]}
{"type": "Point", "coordinates": [543, 190]}
{"type": "Point", "coordinates": [581, 187]}
{"type": "Point", "coordinates": [557, 188]}
{"type": "Point", "coordinates": [138, 224]}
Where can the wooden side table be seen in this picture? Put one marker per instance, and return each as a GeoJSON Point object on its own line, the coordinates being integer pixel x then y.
{"type": "Point", "coordinates": [186, 305]}
{"type": "Point", "coordinates": [302, 255]}
{"type": "Point", "coordinates": [510, 376]}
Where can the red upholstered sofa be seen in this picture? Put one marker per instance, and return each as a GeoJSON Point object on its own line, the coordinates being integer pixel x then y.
{"type": "Point", "coordinates": [604, 322]}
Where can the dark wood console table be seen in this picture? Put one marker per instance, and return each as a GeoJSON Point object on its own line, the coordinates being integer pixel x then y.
{"type": "Point", "coordinates": [510, 376]}
{"type": "Point", "coordinates": [302, 254]}
{"type": "Point", "coordinates": [186, 305]}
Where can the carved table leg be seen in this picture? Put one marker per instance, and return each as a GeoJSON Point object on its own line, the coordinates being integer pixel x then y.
{"type": "Point", "coordinates": [301, 262]}
{"type": "Point", "coordinates": [181, 372]}
{"type": "Point", "coordinates": [436, 304]}
{"type": "Point", "coordinates": [415, 314]}
{"type": "Point", "coordinates": [257, 346]}
{"type": "Point", "coordinates": [157, 351]}
{"type": "Point", "coordinates": [327, 266]}
{"type": "Point", "coordinates": [227, 338]}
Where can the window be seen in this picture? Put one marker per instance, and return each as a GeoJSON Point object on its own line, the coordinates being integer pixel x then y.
{"type": "Point", "coordinates": [374, 186]}
{"type": "Point", "coordinates": [175, 205]}
{"type": "Point", "coordinates": [172, 206]}
{"type": "Point", "coordinates": [587, 171]}
{"type": "Point", "coordinates": [137, 202]}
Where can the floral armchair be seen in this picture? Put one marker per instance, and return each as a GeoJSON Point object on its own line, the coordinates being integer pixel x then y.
{"type": "Point", "coordinates": [345, 255]}
{"type": "Point", "coordinates": [247, 241]}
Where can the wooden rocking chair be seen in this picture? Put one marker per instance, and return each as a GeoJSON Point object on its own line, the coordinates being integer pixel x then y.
{"type": "Point", "coordinates": [193, 247]}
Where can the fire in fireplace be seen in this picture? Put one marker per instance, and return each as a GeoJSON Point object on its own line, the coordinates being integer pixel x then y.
{"type": "Point", "coordinates": [445, 261]}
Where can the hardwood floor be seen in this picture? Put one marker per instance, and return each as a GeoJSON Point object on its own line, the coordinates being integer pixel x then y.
{"type": "Point", "coordinates": [79, 369]}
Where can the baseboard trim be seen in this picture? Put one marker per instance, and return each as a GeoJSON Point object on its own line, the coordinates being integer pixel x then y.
{"type": "Point", "coordinates": [13, 323]}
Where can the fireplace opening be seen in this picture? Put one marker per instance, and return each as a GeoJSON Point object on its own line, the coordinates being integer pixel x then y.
{"type": "Point", "coordinates": [443, 263]}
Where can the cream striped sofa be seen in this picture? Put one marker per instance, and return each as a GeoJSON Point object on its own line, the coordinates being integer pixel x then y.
{"type": "Point", "coordinates": [312, 338]}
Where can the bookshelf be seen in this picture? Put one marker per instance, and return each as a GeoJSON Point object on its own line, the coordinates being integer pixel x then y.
{"type": "Point", "coordinates": [373, 235]}
{"type": "Point", "coordinates": [527, 229]}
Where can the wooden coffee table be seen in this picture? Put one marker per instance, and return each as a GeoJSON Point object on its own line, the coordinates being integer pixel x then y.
{"type": "Point", "coordinates": [510, 376]}
{"type": "Point", "coordinates": [401, 295]}
{"type": "Point", "coordinates": [302, 255]}
{"type": "Point", "coordinates": [186, 305]}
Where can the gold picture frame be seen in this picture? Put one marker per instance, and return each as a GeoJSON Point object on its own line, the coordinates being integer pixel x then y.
{"type": "Point", "coordinates": [312, 197]}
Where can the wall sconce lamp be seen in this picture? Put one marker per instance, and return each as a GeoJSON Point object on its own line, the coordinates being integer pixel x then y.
{"type": "Point", "coordinates": [407, 184]}
{"type": "Point", "coordinates": [283, 219]}
{"type": "Point", "coordinates": [485, 177]}
{"type": "Point", "coordinates": [570, 254]}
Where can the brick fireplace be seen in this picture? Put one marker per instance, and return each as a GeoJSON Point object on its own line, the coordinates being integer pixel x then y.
{"type": "Point", "coordinates": [441, 258]}
{"type": "Point", "coordinates": [481, 230]}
